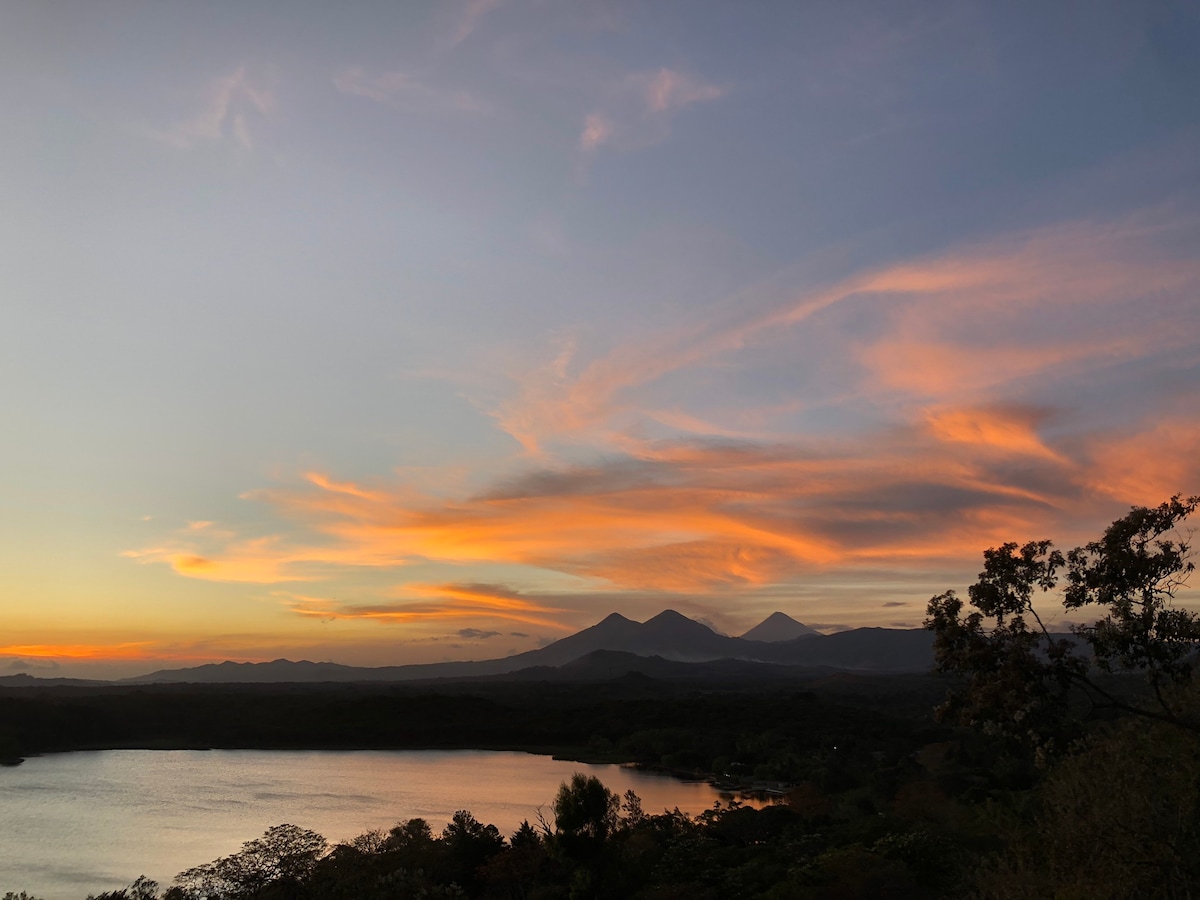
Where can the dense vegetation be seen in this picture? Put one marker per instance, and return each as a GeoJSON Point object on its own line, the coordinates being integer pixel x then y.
{"type": "Point", "coordinates": [772, 732]}
{"type": "Point", "coordinates": [1061, 768]}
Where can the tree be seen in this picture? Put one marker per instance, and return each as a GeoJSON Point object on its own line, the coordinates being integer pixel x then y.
{"type": "Point", "coordinates": [1018, 678]}
{"type": "Point", "coordinates": [142, 889]}
{"type": "Point", "coordinates": [411, 834]}
{"type": "Point", "coordinates": [469, 845]}
{"type": "Point", "coordinates": [585, 811]}
{"type": "Point", "coordinates": [284, 853]}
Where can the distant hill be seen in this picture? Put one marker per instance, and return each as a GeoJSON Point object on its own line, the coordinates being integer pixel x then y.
{"type": "Point", "coordinates": [606, 665]}
{"type": "Point", "coordinates": [24, 679]}
{"type": "Point", "coordinates": [778, 627]}
{"type": "Point", "coordinates": [670, 636]}
{"type": "Point", "coordinates": [278, 670]}
{"type": "Point", "coordinates": [859, 650]}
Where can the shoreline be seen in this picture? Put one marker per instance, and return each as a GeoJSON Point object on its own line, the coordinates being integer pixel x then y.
{"type": "Point", "coordinates": [753, 790]}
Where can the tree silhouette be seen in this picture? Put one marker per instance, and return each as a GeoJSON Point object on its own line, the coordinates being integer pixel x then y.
{"type": "Point", "coordinates": [1018, 678]}
{"type": "Point", "coordinates": [285, 853]}
{"type": "Point", "coordinates": [585, 811]}
{"type": "Point", "coordinates": [469, 844]}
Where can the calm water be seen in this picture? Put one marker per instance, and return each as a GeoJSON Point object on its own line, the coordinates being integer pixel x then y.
{"type": "Point", "coordinates": [75, 823]}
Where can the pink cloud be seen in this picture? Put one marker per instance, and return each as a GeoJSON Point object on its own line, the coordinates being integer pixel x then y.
{"type": "Point", "coordinates": [596, 131]}
{"type": "Point", "coordinates": [405, 91]}
{"type": "Point", "coordinates": [638, 110]}
{"type": "Point", "coordinates": [967, 324]}
{"type": "Point", "coordinates": [666, 90]}
{"type": "Point", "coordinates": [227, 107]}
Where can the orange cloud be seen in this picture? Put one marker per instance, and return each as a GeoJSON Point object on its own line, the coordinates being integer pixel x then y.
{"type": "Point", "coordinates": [960, 354]}
{"type": "Point", "coordinates": [441, 602]}
{"type": "Point", "coordinates": [966, 324]}
{"type": "Point", "coordinates": [1006, 431]}
{"type": "Point", "coordinates": [135, 650]}
{"type": "Point", "coordinates": [682, 516]}
{"type": "Point", "coordinates": [1147, 467]}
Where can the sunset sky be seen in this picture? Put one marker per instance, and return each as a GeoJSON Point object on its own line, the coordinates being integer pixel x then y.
{"type": "Point", "coordinates": [397, 332]}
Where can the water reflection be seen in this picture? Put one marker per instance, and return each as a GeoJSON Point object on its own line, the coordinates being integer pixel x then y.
{"type": "Point", "coordinates": [85, 822]}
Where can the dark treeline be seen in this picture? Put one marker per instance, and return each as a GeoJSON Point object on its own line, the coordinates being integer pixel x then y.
{"type": "Point", "coordinates": [770, 732]}
{"type": "Point", "coordinates": [1118, 818]}
{"type": "Point", "coordinates": [882, 801]}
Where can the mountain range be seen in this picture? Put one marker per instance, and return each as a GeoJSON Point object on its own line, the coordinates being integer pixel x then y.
{"type": "Point", "coordinates": [668, 642]}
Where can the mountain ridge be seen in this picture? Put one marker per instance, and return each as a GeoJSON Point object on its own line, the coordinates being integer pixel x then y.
{"type": "Point", "coordinates": [668, 636]}
{"type": "Point", "coordinates": [778, 626]}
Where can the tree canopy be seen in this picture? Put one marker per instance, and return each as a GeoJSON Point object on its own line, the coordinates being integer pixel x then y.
{"type": "Point", "coordinates": [1018, 678]}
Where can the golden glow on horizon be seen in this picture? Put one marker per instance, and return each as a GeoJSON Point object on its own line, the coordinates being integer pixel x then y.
{"type": "Point", "coordinates": [127, 651]}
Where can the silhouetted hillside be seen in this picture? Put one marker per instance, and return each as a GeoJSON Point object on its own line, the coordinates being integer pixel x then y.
{"type": "Point", "coordinates": [609, 665]}
{"type": "Point", "coordinates": [670, 636]}
{"type": "Point", "coordinates": [861, 649]}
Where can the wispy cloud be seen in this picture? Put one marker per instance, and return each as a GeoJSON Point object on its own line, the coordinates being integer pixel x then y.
{"type": "Point", "coordinates": [961, 327]}
{"type": "Point", "coordinates": [596, 131]}
{"type": "Point", "coordinates": [128, 650]}
{"type": "Point", "coordinates": [685, 517]}
{"type": "Point", "coordinates": [1006, 430]}
{"type": "Point", "coordinates": [476, 634]}
{"type": "Point", "coordinates": [974, 449]}
{"type": "Point", "coordinates": [472, 15]}
{"type": "Point", "coordinates": [229, 107]}
{"type": "Point", "coordinates": [640, 108]}
{"type": "Point", "coordinates": [437, 603]}
{"type": "Point", "coordinates": [402, 90]}
{"type": "Point", "coordinates": [667, 90]}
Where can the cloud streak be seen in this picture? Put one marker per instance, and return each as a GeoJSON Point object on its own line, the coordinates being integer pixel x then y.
{"type": "Point", "coordinates": [472, 16]}
{"type": "Point", "coordinates": [437, 603]}
{"type": "Point", "coordinates": [407, 92]}
{"type": "Point", "coordinates": [975, 450]}
{"type": "Point", "coordinates": [640, 108]}
{"type": "Point", "coordinates": [960, 327]}
{"type": "Point", "coordinates": [229, 106]}
{"type": "Point", "coordinates": [128, 650]}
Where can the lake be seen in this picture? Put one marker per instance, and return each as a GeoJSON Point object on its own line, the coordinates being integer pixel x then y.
{"type": "Point", "coordinates": [79, 823]}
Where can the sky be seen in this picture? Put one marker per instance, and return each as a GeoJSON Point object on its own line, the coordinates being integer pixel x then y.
{"type": "Point", "coordinates": [389, 333]}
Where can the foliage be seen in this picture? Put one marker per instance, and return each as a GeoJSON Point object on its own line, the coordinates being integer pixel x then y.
{"type": "Point", "coordinates": [469, 845]}
{"type": "Point", "coordinates": [1120, 819]}
{"type": "Point", "coordinates": [585, 810]}
{"type": "Point", "coordinates": [142, 889]}
{"type": "Point", "coordinates": [1018, 679]}
{"type": "Point", "coordinates": [285, 853]}
{"type": "Point", "coordinates": [601, 846]}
